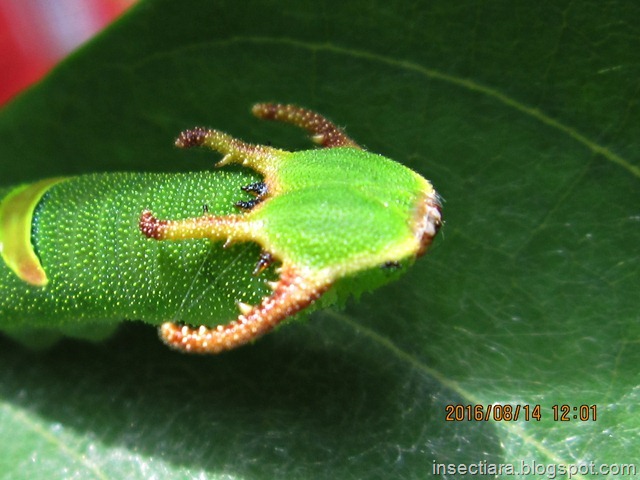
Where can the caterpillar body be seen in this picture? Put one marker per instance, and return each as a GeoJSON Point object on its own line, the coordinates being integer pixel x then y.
{"type": "Point", "coordinates": [187, 251]}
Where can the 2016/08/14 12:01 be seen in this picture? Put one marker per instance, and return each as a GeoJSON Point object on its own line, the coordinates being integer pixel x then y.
{"type": "Point", "coordinates": [512, 413]}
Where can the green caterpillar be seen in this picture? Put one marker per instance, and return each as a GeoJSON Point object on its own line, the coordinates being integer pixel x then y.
{"type": "Point", "coordinates": [313, 227]}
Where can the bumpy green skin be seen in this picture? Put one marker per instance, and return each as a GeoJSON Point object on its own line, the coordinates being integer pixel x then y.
{"type": "Point", "coordinates": [102, 270]}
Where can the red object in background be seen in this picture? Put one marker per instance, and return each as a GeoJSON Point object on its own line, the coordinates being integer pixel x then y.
{"type": "Point", "coordinates": [35, 34]}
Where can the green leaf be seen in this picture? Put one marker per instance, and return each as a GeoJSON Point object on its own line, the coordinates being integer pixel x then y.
{"type": "Point", "coordinates": [524, 116]}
